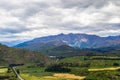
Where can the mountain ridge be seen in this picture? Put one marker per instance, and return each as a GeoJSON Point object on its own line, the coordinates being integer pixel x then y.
{"type": "Point", "coordinates": [73, 40]}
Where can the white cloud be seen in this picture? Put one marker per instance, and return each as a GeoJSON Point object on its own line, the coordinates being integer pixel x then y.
{"type": "Point", "coordinates": [27, 19]}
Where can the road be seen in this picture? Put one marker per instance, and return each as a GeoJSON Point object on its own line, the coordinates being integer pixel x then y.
{"type": "Point", "coordinates": [14, 70]}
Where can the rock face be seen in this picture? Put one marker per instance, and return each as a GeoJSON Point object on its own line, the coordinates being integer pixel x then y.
{"type": "Point", "coordinates": [73, 40]}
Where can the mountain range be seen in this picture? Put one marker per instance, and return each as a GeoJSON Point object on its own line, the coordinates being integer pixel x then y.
{"type": "Point", "coordinates": [73, 40]}
{"type": "Point", "coordinates": [62, 44]}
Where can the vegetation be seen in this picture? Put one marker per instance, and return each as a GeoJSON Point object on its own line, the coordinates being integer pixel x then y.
{"type": "Point", "coordinates": [57, 68]}
{"type": "Point", "coordinates": [35, 66]}
{"type": "Point", "coordinates": [6, 74]}
{"type": "Point", "coordinates": [54, 77]}
{"type": "Point", "coordinates": [103, 75]}
{"type": "Point", "coordinates": [84, 67]}
{"type": "Point", "coordinates": [20, 56]}
{"type": "Point", "coordinates": [88, 61]}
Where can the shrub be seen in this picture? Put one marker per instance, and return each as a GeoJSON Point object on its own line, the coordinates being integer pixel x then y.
{"type": "Point", "coordinates": [70, 64]}
{"type": "Point", "coordinates": [115, 64]}
{"type": "Point", "coordinates": [80, 71]}
{"type": "Point", "coordinates": [57, 68]}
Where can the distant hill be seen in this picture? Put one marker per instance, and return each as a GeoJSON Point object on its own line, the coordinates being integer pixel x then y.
{"type": "Point", "coordinates": [112, 50]}
{"type": "Point", "coordinates": [63, 51]}
{"type": "Point", "coordinates": [73, 40]}
{"type": "Point", "coordinates": [20, 56]}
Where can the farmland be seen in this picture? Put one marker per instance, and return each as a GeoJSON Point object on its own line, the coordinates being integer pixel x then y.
{"type": "Point", "coordinates": [70, 68]}
{"type": "Point", "coordinates": [80, 68]}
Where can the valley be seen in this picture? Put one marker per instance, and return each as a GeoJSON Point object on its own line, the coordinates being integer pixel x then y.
{"type": "Point", "coordinates": [59, 39]}
{"type": "Point", "coordinates": [50, 59]}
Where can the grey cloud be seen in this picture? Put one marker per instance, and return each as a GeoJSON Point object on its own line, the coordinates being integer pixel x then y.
{"type": "Point", "coordinates": [33, 8]}
{"type": "Point", "coordinates": [87, 3]}
{"type": "Point", "coordinates": [11, 31]}
{"type": "Point", "coordinates": [9, 5]}
{"type": "Point", "coordinates": [30, 9]}
{"type": "Point", "coordinates": [84, 3]}
{"type": "Point", "coordinates": [117, 2]}
{"type": "Point", "coordinates": [44, 17]}
{"type": "Point", "coordinates": [93, 28]}
{"type": "Point", "coordinates": [14, 28]}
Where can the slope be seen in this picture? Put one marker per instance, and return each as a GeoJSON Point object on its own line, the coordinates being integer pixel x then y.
{"type": "Point", "coordinates": [20, 56]}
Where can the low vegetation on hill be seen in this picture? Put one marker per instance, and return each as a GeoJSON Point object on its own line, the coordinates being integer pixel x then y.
{"type": "Point", "coordinates": [20, 56]}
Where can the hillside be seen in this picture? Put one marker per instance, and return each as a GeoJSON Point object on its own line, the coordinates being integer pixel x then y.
{"type": "Point", "coordinates": [17, 56]}
{"type": "Point", "coordinates": [67, 51]}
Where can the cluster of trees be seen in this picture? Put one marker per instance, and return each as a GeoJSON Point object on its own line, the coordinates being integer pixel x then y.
{"type": "Point", "coordinates": [67, 68]}
{"type": "Point", "coordinates": [57, 68]}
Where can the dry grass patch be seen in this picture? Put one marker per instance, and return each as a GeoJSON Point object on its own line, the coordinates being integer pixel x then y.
{"type": "Point", "coordinates": [54, 77]}
{"type": "Point", "coordinates": [102, 69]}
{"type": "Point", "coordinates": [65, 76]}
{"type": "Point", "coordinates": [3, 70]}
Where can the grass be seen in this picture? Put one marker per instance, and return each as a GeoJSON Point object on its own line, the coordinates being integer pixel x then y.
{"type": "Point", "coordinates": [34, 71]}
{"type": "Point", "coordinates": [65, 76]}
{"type": "Point", "coordinates": [38, 73]}
{"type": "Point", "coordinates": [3, 70]}
{"type": "Point", "coordinates": [57, 76]}
{"type": "Point", "coordinates": [5, 75]}
{"type": "Point", "coordinates": [102, 69]}
{"type": "Point", "coordinates": [29, 77]}
{"type": "Point", "coordinates": [83, 62]}
{"type": "Point", "coordinates": [103, 75]}
{"type": "Point", "coordinates": [96, 69]}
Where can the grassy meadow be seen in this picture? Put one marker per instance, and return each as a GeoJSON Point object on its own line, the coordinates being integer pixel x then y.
{"type": "Point", "coordinates": [69, 68]}
{"type": "Point", "coordinates": [77, 68]}
{"type": "Point", "coordinates": [6, 74]}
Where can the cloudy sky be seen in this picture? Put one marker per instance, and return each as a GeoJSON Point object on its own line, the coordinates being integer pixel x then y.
{"type": "Point", "coordinates": [22, 20]}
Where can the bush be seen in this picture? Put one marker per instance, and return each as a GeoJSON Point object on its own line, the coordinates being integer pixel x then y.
{"type": "Point", "coordinates": [9, 70]}
{"type": "Point", "coordinates": [4, 77]}
{"type": "Point", "coordinates": [18, 71]}
{"type": "Point", "coordinates": [118, 69]}
{"type": "Point", "coordinates": [57, 68]}
{"type": "Point", "coordinates": [103, 75]}
{"type": "Point", "coordinates": [115, 64]}
{"type": "Point", "coordinates": [70, 64]}
{"type": "Point", "coordinates": [79, 71]}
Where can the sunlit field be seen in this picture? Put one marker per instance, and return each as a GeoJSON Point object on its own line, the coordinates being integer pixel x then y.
{"type": "Point", "coordinates": [3, 70]}
{"type": "Point", "coordinates": [103, 69]}
{"type": "Point", "coordinates": [57, 76]}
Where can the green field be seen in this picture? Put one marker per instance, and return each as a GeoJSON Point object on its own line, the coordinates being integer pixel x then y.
{"type": "Point", "coordinates": [80, 66]}
{"type": "Point", "coordinates": [70, 68]}
{"type": "Point", "coordinates": [6, 74]}
{"type": "Point", "coordinates": [86, 61]}
{"type": "Point", "coordinates": [38, 73]}
{"type": "Point", "coordinates": [3, 71]}
{"type": "Point", "coordinates": [97, 75]}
